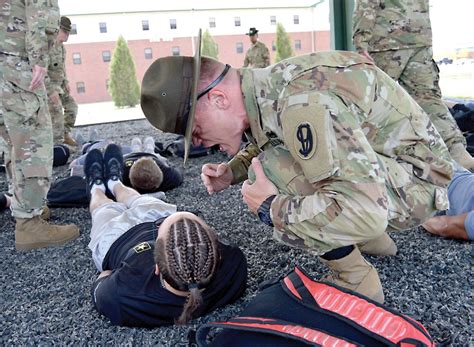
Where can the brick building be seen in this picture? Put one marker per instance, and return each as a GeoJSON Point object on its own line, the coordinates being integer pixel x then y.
{"type": "Point", "coordinates": [154, 29]}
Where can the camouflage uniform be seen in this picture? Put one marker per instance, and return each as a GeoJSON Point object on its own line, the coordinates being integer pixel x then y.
{"type": "Point", "coordinates": [56, 82]}
{"type": "Point", "coordinates": [349, 151]}
{"type": "Point", "coordinates": [257, 56]}
{"type": "Point", "coordinates": [31, 30]}
{"type": "Point", "coordinates": [397, 34]}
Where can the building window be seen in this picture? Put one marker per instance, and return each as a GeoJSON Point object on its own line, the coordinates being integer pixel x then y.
{"type": "Point", "coordinates": [106, 56]}
{"type": "Point", "coordinates": [76, 58]}
{"type": "Point", "coordinates": [297, 45]}
{"type": "Point", "coordinates": [239, 47]}
{"type": "Point", "coordinates": [148, 53]}
{"type": "Point", "coordinates": [80, 87]}
{"type": "Point", "coordinates": [212, 22]}
{"type": "Point", "coordinates": [296, 19]}
{"type": "Point", "coordinates": [73, 29]}
{"type": "Point", "coordinates": [103, 27]}
{"type": "Point", "coordinates": [173, 24]}
{"type": "Point", "coordinates": [237, 21]}
{"type": "Point", "coordinates": [175, 50]}
{"type": "Point", "coordinates": [274, 47]}
{"type": "Point", "coordinates": [273, 20]}
{"type": "Point", "coordinates": [145, 25]}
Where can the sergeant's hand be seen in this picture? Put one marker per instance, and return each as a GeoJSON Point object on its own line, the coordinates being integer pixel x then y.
{"type": "Point", "coordinates": [67, 88]}
{"type": "Point", "coordinates": [38, 76]}
{"type": "Point", "coordinates": [54, 98]}
{"type": "Point", "coordinates": [256, 193]}
{"type": "Point", "coordinates": [216, 177]}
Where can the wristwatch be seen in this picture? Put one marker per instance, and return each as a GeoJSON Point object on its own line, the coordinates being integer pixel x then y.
{"type": "Point", "coordinates": [263, 211]}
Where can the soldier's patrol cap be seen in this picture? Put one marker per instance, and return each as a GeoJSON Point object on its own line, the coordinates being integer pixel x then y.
{"type": "Point", "coordinates": [65, 24]}
{"type": "Point", "coordinates": [252, 31]}
{"type": "Point", "coordinates": [169, 93]}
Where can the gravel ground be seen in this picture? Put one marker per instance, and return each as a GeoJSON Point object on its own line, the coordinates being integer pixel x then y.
{"type": "Point", "coordinates": [45, 294]}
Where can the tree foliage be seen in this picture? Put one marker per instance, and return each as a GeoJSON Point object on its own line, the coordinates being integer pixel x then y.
{"type": "Point", "coordinates": [209, 46]}
{"type": "Point", "coordinates": [123, 84]}
{"type": "Point", "coordinates": [283, 44]}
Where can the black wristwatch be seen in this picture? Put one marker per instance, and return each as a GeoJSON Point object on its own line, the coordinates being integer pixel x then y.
{"type": "Point", "coordinates": [264, 211]}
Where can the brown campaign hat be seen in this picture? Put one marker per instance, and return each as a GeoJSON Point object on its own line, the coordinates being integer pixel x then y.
{"type": "Point", "coordinates": [169, 92]}
{"type": "Point", "coordinates": [252, 31]}
{"type": "Point", "coordinates": [65, 24]}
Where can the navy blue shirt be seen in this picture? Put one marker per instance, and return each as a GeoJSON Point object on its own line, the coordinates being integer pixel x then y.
{"type": "Point", "coordinates": [172, 177]}
{"type": "Point", "coordinates": [132, 295]}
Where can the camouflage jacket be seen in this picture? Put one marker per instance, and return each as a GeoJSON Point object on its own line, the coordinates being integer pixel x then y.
{"type": "Point", "coordinates": [351, 128]}
{"type": "Point", "coordinates": [31, 27]}
{"type": "Point", "coordinates": [381, 25]}
{"type": "Point", "coordinates": [257, 56]}
{"type": "Point", "coordinates": [56, 78]}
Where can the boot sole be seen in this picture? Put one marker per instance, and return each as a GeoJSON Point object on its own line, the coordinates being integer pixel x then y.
{"type": "Point", "coordinates": [29, 246]}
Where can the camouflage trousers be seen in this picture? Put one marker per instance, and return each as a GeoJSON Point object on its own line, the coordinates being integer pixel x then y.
{"type": "Point", "coordinates": [416, 71]}
{"type": "Point", "coordinates": [411, 201]}
{"type": "Point", "coordinates": [27, 134]}
{"type": "Point", "coordinates": [63, 116]}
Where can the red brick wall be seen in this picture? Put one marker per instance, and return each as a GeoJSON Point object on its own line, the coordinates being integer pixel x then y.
{"type": "Point", "coordinates": [94, 72]}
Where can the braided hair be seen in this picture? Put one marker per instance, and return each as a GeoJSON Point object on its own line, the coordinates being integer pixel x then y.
{"type": "Point", "coordinates": [187, 258]}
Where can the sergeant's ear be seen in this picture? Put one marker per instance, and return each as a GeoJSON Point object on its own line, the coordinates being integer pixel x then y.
{"type": "Point", "coordinates": [157, 270]}
{"type": "Point", "coordinates": [219, 99]}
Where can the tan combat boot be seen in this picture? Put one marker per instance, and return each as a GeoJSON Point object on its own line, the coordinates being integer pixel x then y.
{"type": "Point", "coordinates": [34, 233]}
{"type": "Point", "coordinates": [382, 245]}
{"type": "Point", "coordinates": [68, 140]}
{"type": "Point", "coordinates": [353, 272]}
{"type": "Point", "coordinates": [461, 156]}
{"type": "Point", "coordinates": [46, 213]}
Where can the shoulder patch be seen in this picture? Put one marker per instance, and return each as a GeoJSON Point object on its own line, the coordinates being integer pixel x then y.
{"type": "Point", "coordinates": [307, 132]}
{"type": "Point", "coordinates": [142, 247]}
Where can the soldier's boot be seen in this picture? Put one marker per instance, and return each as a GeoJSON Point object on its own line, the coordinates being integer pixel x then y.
{"type": "Point", "coordinates": [461, 156]}
{"type": "Point", "coordinates": [34, 233]}
{"type": "Point", "coordinates": [381, 246]}
{"type": "Point", "coordinates": [68, 140]}
{"type": "Point", "coordinates": [46, 213]}
{"type": "Point", "coordinates": [353, 272]}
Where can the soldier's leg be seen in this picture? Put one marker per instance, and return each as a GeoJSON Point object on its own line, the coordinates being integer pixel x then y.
{"type": "Point", "coordinates": [57, 121]}
{"type": "Point", "coordinates": [350, 270]}
{"type": "Point", "coordinates": [70, 111]}
{"type": "Point", "coordinates": [421, 79]}
{"type": "Point", "coordinates": [28, 125]}
{"type": "Point", "coordinates": [392, 62]}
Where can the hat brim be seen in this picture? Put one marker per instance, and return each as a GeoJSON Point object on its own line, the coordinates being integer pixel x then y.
{"type": "Point", "coordinates": [193, 98]}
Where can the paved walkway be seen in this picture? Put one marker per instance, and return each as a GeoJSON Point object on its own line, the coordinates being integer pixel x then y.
{"type": "Point", "coordinates": [106, 112]}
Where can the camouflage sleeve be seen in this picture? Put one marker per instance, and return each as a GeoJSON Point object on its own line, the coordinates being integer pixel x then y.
{"type": "Point", "coordinates": [266, 57]}
{"type": "Point", "coordinates": [36, 37]}
{"type": "Point", "coordinates": [246, 60]}
{"type": "Point", "coordinates": [349, 200]}
{"type": "Point", "coordinates": [364, 21]}
{"type": "Point", "coordinates": [241, 162]}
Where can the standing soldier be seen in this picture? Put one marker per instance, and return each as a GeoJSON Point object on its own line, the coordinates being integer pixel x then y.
{"type": "Point", "coordinates": [396, 35]}
{"type": "Point", "coordinates": [58, 90]}
{"type": "Point", "coordinates": [31, 27]}
{"type": "Point", "coordinates": [257, 55]}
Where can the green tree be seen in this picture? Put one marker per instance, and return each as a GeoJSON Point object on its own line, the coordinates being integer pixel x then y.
{"type": "Point", "coordinates": [283, 44]}
{"type": "Point", "coordinates": [123, 84]}
{"type": "Point", "coordinates": [209, 46]}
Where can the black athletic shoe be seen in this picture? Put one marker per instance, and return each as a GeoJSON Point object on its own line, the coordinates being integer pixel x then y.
{"type": "Point", "coordinates": [113, 163]}
{"type": "Point", "coordinates": [94, 168]}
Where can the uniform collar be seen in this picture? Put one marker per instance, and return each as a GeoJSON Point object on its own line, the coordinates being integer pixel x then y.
{"type": "Point", "coordinates": [256, 134]}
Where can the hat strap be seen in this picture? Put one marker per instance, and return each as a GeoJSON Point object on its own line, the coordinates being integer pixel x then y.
{"type": "Point", "coordinates": [215, 82]}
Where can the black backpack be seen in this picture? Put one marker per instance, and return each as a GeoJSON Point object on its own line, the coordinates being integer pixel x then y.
{"type": "Point", "coordinates": [68, 192]}
{"type": "Point", "coordinates": [298, 311]}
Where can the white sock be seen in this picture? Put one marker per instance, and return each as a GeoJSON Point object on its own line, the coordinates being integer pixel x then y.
{"type": "Point", "coordinates": [111, 184]}
{"type": "Point", "coordinates": [98, 186]}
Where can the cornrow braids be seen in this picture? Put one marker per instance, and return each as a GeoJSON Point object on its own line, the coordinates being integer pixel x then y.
{"type": "Point", "coordinates": [188, 259]}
